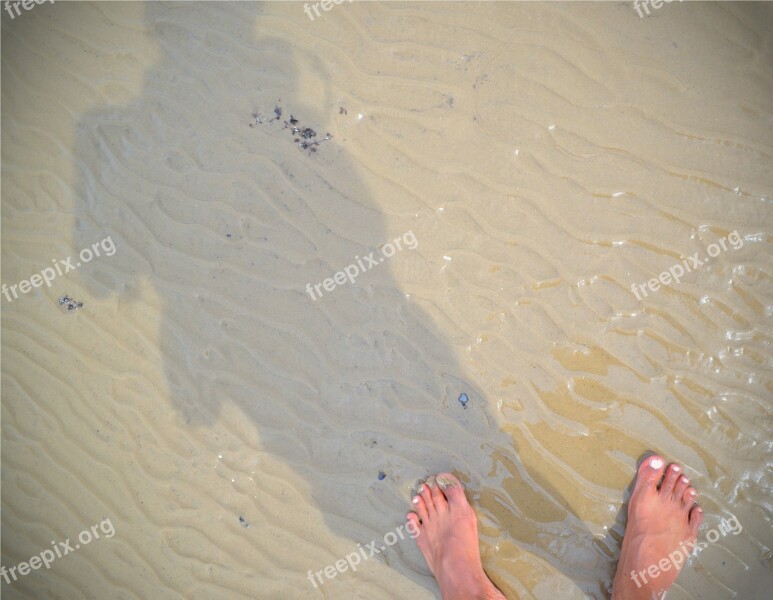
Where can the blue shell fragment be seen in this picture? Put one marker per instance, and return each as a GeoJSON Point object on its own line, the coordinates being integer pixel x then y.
{"type": "Point", "coordinates": [381, 475]}
{"type": "Point", "coordinates": [463, 399]}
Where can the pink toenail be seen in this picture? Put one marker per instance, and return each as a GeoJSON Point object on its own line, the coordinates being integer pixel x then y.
{"type": "Point", "coordinates": [685, 480]}
{"type": "Point", "coordinates": [656, 463]}
{"type": "Point", "coordinates": [692, 492]}
{"type": "Point", "coordinates": [675, 469]}
{"type": "Point", "coordinates": [415, 500]}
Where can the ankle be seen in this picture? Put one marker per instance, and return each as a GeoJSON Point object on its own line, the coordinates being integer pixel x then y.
{"type": "Point", "coordinates": [470, 586]}
{"type": "Point", "coordinates": [625, 587]}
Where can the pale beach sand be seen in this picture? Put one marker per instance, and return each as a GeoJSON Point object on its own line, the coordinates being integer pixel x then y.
{"type": "Point", "coordinates": [237, 433]}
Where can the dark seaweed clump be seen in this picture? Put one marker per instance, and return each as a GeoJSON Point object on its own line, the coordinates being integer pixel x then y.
{"type": "Point", "coordinates": [303, 137]}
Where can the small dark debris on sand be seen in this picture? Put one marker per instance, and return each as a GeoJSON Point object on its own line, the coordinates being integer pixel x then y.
{"type": "Point", "coordinates": [463, 400]}
{"type": "Point", "coordinates": [69, 303]}
{"type": "Point", "coordinates": [244, 522]}
{"type": "Point", "coordinates": [381, 475]}
{"type": "Point", "coordinates": [305, 137]}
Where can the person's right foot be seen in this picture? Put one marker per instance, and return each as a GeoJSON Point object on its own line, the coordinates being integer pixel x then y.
{"type": "Point", "coordinates": [448, 539]}
{"type": "Point", "coordinates": [663, 522]}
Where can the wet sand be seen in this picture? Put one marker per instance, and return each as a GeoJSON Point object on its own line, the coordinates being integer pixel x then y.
{"type": "Point", "coordinates": [239, 433]}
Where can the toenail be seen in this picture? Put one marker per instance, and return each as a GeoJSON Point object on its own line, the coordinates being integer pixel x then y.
{"type": "Point", "coordinates": [675, 469]}
{"type": "Point", "coordinates": [685, 480]}
{"type": "Point", "coordinates": [415, 500]}
{"type": "Point", "coordinates": [656, 463]}
{"type": "Point", "coordinates": [421, 488]}
{"type": "Point", "coordinates": [693, 492]}
{"type": "Point", "coordinates": [444, 481]}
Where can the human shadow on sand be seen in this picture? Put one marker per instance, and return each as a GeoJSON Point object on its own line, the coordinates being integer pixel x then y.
{"type": "Point", "coordinates": [338, 388]}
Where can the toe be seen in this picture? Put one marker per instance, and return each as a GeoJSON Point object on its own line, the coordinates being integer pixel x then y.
{"type": "Point", "coordinates": [673, 472]}
{"type": "Point", "coordinates": [420, 507]}
{"type": "Point", "coordinates": [438, 499]}
{"type": "Point", "coordinates": [412, 524]}
{"type": "Point", "coordinates": [426, 495]}
{"type": "Point", "coordinates": [681, 486]}
{"type": "Point", "coordinates": [650, 473]}
{"type": "Point", "coordinates": [452, 489]}
{"type": "Point", "coordinates": [696, 518]}
{"type": "Point", "coordinates": [689, 496]}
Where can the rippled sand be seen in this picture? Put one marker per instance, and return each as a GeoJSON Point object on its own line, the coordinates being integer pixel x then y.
{"type": "Point", "coordinates": [547, 158]}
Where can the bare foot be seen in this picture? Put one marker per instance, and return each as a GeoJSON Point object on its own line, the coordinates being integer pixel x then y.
{"type": "Point", "coordinates": [448, 539]}
{"type": "Point", "coordinates": [663, 522]}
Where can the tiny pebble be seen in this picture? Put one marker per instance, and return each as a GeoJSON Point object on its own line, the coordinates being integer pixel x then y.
{"type": "Point", "coordinates": [244, 523]}
{"type": "Point", "coordinates": [381, 475]}
{"type": "Point", "coordinates": [463, 399]}
{"type": "Point", "coordinates": [69, 303]}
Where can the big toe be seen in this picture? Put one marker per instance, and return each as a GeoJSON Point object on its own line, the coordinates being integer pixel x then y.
{"type": "Point", "coordinates": [650, 472]}
{"type": "Point", "coordinates": [452, 489]}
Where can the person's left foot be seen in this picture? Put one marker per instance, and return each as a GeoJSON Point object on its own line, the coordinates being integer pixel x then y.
{"type": "Point", "coordinates": [448, 539]}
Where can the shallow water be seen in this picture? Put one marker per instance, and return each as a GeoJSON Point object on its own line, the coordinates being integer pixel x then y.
{"type": "Point", "coordinates": [547, 158]}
